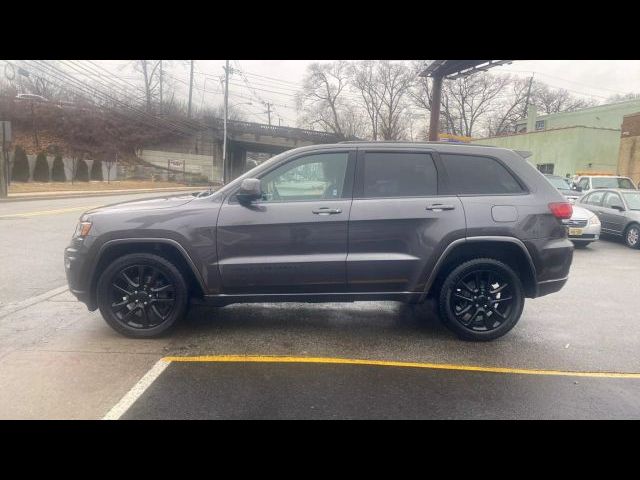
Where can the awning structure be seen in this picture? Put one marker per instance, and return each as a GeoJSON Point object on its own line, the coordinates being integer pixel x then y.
{"type": "Point", "coordinates": [451, 69]}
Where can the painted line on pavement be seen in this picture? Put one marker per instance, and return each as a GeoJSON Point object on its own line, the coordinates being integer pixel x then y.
{"type": "Point", "coordinates": [48, 212]}
{"type": "Point", "coordinates": [138, 389]}
{"type": "Point", "coordinates": [434, 366]}
{"type": "Point", "coordinates": [10, 308]}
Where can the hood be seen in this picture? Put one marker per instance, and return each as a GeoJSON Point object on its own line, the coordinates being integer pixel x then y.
{"type": "Point", "coordinates": [145, 204]}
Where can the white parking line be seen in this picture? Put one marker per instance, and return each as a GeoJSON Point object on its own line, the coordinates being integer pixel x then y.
{"type": "Point", "coordinates": [138, 389]}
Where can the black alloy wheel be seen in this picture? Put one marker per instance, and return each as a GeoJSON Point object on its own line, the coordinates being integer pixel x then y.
{"type": "Point", "coordinates": [142, 295]}
{"type": "Point", "coordinates": [481, 299]}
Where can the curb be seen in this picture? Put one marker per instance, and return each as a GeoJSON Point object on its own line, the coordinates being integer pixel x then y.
{"type": "Point", "coordinates": [26, 197]}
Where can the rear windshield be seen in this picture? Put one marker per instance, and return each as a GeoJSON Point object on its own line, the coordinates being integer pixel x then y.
{"type": "Point", "coordinates": [633, 200]}
{"type": "Point", "coordinates": [612, 182]}
{"type": "Point", "coordinates": [559, 182]}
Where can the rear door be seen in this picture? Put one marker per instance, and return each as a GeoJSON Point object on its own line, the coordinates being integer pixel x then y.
{"type": "Point", "coordinates": [399, 223]}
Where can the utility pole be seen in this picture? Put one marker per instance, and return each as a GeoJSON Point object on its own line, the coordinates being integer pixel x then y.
{"type": "Point", "coordinates": [268, 111]}
{"type": "Point", "coordinates": [226, 114]}
{"type": "Point", "coordinates": [160, 86]}
{"type": "Point", "coordinates": [190, 89]}
{"type": "Point", "coordinates": [526, 102]}
{"type": "Point", "coordinates": [4, 163]}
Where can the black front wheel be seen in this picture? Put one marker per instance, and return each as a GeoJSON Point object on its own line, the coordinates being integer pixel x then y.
{"type": "Point", "coordinates": [142, 295]}
{"type": "Point", "coordinates": [481, 299]}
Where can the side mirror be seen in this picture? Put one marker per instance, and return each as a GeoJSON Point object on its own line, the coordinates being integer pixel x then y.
{"type": "Point", "coordinates": [250, 190]}
{"type": "Point", "coordinates": [620, 208]}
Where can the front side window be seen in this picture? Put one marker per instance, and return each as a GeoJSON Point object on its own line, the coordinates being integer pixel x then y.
{"type": "Point", "coordinates": [476, 175]}
{"type": "Point", "coordinates": [612, 200]}
{"type": "Point", "coordinates": [314, 177]}
{"type": "Point", "coordinates": [584, 184]}
{"type": "Point", "coordinates": [390, 174]}
{"type": "Point", "coordinates": [594, 198]}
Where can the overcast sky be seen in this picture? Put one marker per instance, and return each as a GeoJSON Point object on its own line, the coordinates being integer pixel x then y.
{"type": "Point", "coordinates": [276, 81]}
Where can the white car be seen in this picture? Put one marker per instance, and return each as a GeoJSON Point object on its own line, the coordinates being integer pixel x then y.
{"type": "Point", "coordinates": [583, 227]}
{"type": "Point", "coordinates": [587, 183]}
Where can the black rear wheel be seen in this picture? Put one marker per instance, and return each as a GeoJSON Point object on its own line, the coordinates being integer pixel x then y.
{"type": "Point", "coordinates": [142, 295]}
{"type": "Point", "coordinates": [481, 299]}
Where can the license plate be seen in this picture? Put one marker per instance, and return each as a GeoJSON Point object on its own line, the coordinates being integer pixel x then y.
{"type": "Point", "coordinates": [575, 232]}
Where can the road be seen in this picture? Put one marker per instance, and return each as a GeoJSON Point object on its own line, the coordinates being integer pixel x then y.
{"type": "Point", "coordinates": [34, 234]}
{"type": "Point", "coordinates": [57, 360]}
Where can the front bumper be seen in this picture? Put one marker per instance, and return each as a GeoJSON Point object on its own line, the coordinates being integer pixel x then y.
{"type": "Point", "coordinates": [75, 260]}
{"type": "Point", "coordinates": [590, 233]}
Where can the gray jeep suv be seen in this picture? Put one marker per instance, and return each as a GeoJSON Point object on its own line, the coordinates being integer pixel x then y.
{"type": "Point", "coordinates": [477, 228]}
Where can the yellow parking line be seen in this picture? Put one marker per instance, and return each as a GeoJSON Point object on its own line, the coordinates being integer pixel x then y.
{"type": "Point", "coordinates": [48, 212]}
{"type": "Point", "coordinates": [356, 361]}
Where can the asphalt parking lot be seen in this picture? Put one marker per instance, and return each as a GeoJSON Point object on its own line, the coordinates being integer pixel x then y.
{"type": "Point", "coordinates": [573, 354]}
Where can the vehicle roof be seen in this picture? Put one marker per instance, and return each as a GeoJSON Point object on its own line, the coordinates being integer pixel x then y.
{"type": "Point", "coordinates": [616, 190]}
{"type": "Point", "coordinates": [602, 175]}
{"type": "Point", "coordinates": [438, 146]}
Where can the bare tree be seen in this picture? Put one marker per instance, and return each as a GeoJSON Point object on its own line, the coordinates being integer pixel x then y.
{"type": "Point", "coordinates": [554, 100]}
{"type": "Point", "coordinates": [509, 109]}
{"type": "Point", "coordinates": [323, 101]}
{"type": "Point", "coordinates": [150, 70]}
{"type": "Point", "coordinates": [364, 80]}
{"type": "Point", "coordinates": [395, 80]}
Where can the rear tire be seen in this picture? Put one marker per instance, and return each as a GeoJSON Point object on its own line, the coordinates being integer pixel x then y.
{"type": "Point", "coordinates": [481, 299]}
{"type": "Point", "coordinates": [632, 236]}
{"type": "Point", "coordinates": [141, 295]}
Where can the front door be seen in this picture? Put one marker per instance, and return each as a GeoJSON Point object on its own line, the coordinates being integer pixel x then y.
{"type": "Point", "coordinates": [294, 240]}
{"type": "Point", "coordinates": [611, 216]}
{"type": "Point", "coordinates": [399, 223]}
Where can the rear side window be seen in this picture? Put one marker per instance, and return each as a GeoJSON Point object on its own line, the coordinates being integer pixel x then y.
{"type": "Point", "coordinates": [391, 174]}
{"type": "Point", "coordinates": [476, 175]}
{"type": "Point", "coordinates": [594, 198]}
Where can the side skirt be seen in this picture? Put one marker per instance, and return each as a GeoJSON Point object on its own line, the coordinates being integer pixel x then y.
{"type": "Point", "coordinates": [221, 300]}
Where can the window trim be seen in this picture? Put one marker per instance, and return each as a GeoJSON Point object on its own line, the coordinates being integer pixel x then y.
{"type": "Point", "coordinates": [451, 191]}
{"type": "Point", "coordinates": [358, 190]}
{"type": "Point", "coordinates": [347, 188]}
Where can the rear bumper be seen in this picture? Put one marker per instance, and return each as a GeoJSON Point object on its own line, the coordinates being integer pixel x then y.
{"type": "Point", "coordinates": [551, 286]}
{"type": "Point", "coordinates": [552, 258]}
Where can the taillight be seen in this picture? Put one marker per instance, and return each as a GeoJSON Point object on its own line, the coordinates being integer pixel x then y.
{"type": "Point", "coordinates": [561, 210]}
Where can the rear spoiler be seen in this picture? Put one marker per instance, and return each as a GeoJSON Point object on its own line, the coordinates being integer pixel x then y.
{"type": "Point", "coordinates": [523, 153]}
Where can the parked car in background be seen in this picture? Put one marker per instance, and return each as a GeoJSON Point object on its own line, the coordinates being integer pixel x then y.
{"type": "Point", "coordinates": [563, 185]}
{"type": "Point", "coordinates": [587, 183]}
{"type": "Point", "coordinates": [583, 227]}
{"type": "Point", "coordinates": [618, 211]}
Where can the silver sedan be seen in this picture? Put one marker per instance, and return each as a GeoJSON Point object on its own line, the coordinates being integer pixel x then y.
{"type": "Point", "coordinates": [618, 211]}
{"type": "Point", "coordinates": [583, 227]}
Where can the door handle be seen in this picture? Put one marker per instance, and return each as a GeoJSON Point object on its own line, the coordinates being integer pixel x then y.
{"type": "Point", "coordinates": [438, 207]}
{"type": "Point", "coordinates": [326, 211]}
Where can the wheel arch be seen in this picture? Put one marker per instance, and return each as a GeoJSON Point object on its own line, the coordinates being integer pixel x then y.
{"type": "Point", "coordinates": [164, 247]}
{"type": "Point", "coordinates": [509, 250]}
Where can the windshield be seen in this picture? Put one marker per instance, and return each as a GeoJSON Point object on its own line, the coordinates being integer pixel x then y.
{"type": "Point", "coordinates": [559, 182]}
{"type": "Point", "coordinates": [612, 182]}
{"type": "Point", "coordinates": [633, 200]}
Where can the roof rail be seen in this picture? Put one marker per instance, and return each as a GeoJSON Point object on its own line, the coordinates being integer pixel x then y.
{"type": "Point", "coordinates": [418, 143]}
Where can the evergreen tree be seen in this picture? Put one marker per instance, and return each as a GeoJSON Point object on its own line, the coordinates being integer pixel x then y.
{"type": "Point", "coordinates": [82, 171]}
{"type": "Point", "coordinates": [20, 172]}
{"type": "Point", "coordinates": [57, 174]}
{"type": "Point", "coordinates": [96, 170]}
{"type": "Point", "coordinates": [41, 171]}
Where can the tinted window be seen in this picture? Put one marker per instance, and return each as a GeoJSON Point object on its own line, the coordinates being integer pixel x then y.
{"type": "Point", "coordinates": [594, 198]}
{"type": "Point", "coordinates": [478, 175]}
{"type": "Point", "coordinates": [399, 175]}
{"type": "Point", "coordinates": [584, 184]}
{"type": "Point", "coordinates": [612, 200]}
{"type": "Point", "coordinates": [316, 177]}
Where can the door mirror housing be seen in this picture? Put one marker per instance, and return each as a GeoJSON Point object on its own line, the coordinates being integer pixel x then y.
{"type": "Point", "coordinates": [620, 208]}
{"type": "Point", "coordinates": [250, 190]}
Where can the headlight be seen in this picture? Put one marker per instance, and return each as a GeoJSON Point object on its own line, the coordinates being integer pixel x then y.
{"type": "Point", "coordinates": [82, 229]}
{"type": "Point", "coordinates": [594, 220]}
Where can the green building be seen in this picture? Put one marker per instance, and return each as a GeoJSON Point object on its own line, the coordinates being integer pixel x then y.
{"type": "Point", "coordinates": [584, 141]}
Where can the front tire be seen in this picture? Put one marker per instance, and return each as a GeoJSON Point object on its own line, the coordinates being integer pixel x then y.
{"type": "Point", "coordinates": [632, 236]}
{"type": "Point", "coordinates": [481, 299]}
{"type": "Point", "coordinates": [142, 295]}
